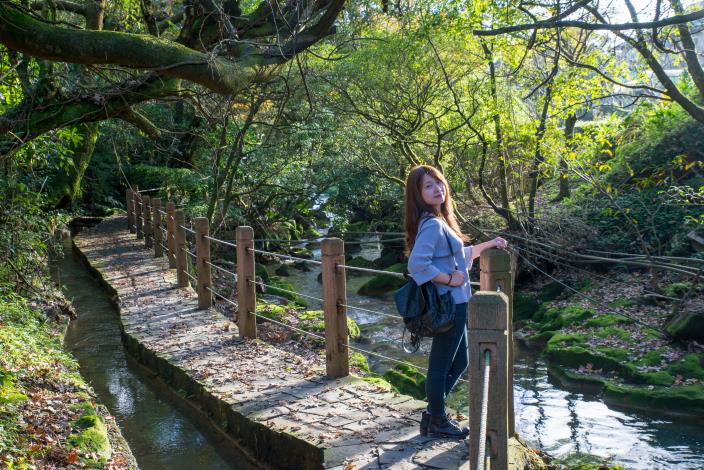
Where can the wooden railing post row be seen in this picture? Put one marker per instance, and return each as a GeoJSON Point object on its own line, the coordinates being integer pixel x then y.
{"type": "Point", "coordinates": [129, 201]}
{"type": "Point", "coordinates": [180, 246]}
{"type": "Point", "coordinates": [171, 233]}
{"type": "Point", "coordinates": [497, 273]}
{"type": "Point", "coordinates": [335, 314]}
{"type": "Point", "coordinates": [156, 224]}
{"type": "Point", "coordinates": [147, 221]}
{"type": "Point", "coordinates": [138, 213]}
{"type": "Point", "coordinates": [246, 289]}
{"type": "Point", "coordinates": [205, 297]}
{"type": "Point", "coordinates": [488, 327]}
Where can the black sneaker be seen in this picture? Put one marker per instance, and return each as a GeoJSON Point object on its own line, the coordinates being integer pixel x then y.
{"type": "Point", "coordinates": [440, 426]}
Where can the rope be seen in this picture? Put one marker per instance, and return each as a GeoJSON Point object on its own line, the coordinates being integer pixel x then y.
{"type": "Point", "coordinates": [193, 278]}
{"type": "Point", "coordinates": [372, 311]}
{"type": "Point", "coordinates": [371, 271]}
{"type": "Point", "coordinates": [278, 255]}
{"type": "Point", "coordinates": [163, 230]}
{"type": "Point", "coordinates": [287, 291]}
{"type": "Point", "coordinates": [290, 327]}
{"type": "Point", "coordinates": [233, 245]}
{"type": "Point", "coordinates": [164, 247]}
{"type": "Point", "coordinates": [193, 255]}
{"type": "Point", "coordinates": [149, 190]}
{"type": "Point", "coordinates": [485, 405]}
{"type": "Point", "coordinates": [221, 269]}
{"type": "Point", "coordinates": [222, 297]}
{"type": "Point", "coordinates": [187, 229]}
{"type": "Point", "coordinates": [162, 212]}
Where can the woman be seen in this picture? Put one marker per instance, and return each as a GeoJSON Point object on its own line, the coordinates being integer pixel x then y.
{"type": "Point", "coordinates": [430, 223]}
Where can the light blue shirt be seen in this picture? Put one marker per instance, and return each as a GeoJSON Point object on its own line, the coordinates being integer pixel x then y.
{"type": "Point", "coordinates": [431, 256]}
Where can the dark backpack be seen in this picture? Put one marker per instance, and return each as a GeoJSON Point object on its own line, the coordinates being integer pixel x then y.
{"type": "Point", "coordinates": [425, 312]}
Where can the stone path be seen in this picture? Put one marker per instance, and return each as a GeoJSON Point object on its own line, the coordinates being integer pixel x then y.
{"type": "Point", "coordinates": [272, 402]}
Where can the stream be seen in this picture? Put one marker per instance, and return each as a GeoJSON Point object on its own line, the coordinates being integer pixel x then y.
{"type": "Point", "coordinates": [160, 431]}
{"type": "Point", "coordinates": [548, 417]}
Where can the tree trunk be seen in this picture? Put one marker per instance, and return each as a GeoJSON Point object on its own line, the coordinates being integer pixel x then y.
{"type": "Point", "coordinates": [563, 171]}
{"type": "Point", "coordinates": [67, 183]}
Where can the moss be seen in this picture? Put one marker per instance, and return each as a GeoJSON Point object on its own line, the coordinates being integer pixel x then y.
{"type": "Point", "coordinates": [407, 380]}
{"type": "Point", "coordinates": [686, 326]}
{"type": "Point", "coordinates": [557, 318]}
{"type": "Point", "coordinates": [280, 287]}
{"type": "Point", "coordinates": [275, 312]}
{"type": "Point", "coordinates": [379, 381]}
{"type": "Point", "coordinates": [610, 319]}
{"type": "Point", "coordinates": [360, 262]}
{"type": "Point", "coordinates": [314, 320]}
{"type": "Point", "coordinates": [652, 358]}
{"type": "Point", "coordinates": [383, 283]}
{"type": "Point", "coordinates": [580, 461]}
{"type": "Point", "coordinates": [655, 378]}
{"type": "Point", "coordinates": [542, 337]}
{"type": "Point", "coordinates": [612, 331]}
{"type": "Point", "coordinates": [677, 289]}
{"type": "Point", "coordinates": [690, 366]}
{"type": "Point", "coordinates": [91, 436]}
{"type": "Point", "coordinates": [684, 398]}
{"type": "Point", "coordinates": [8, 391]}
{"type": "Point", "coordinates": [617, 354]}
{"type": "Point", "coordinates": [360, 362]}
{"type": "Point", "coordinates": [622, 303]}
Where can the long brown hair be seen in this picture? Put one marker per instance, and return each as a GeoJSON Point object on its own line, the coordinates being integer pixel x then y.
{"type": "Point", "coordinates": [416, 207]}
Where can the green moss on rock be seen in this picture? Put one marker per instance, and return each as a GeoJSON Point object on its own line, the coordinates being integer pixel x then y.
{"type": "Point", "coordinates": [90, 436]}
{"type": "Point", "coordinates": [690, 366]}
{"type": "Point", "coordinates": [407, 380]}
{"type": "Point", "coordinates": [557, 318]}
{"type": "Point", "coordinates": [524, 306]}
{"type": "Point", "coordinates": [383, 283]}
{"type": "Point", "coordinates": [683, 398]}
{"type": "Point", "coordinates": [610, 319]}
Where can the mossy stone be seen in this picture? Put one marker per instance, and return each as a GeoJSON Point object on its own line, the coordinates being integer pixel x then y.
{"type": "Point", "coordinates": [359, 361]}
{"type": "Point", "coordinates": [282, 270]}
{"type": "Point", "coordinates": [383, 283]}
{"type": "Point", "coordinates": [407, 380]}
{"type": "Point", "coordinates": [557, 318]}
{"type": "Point", "coordinates": [682, 398]}
{"type": "Point", "coordinates": [91, 436]}
{"type": "Point", "coordinates": [610, 319]}
{"type": "Point", "coordinates": [690, 366]}
{"type": "Point", "coordinates": [612, 331]}
{"type": "Point", "coordinates": [686, 326]}
{"type": "Point", "coordinates": [261, 271]}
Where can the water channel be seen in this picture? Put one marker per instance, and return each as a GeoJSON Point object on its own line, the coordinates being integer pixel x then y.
{"type": "Point", "coordinates": [159, 428]}
{"type": "Point", "coordinates": [548, 417]}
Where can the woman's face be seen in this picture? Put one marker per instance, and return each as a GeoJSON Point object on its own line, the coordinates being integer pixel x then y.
{"type": "Point", "coordinates": [432, 191]}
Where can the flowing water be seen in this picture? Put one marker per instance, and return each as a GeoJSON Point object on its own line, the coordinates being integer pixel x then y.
{"type": "Point", "coordinates": [548, 417]}
{"type": "Point", "coordinates": [160, 432]}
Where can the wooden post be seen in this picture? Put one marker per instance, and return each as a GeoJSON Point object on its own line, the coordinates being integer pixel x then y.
{"type": "Point", "coordinates": [334, 296]}
{"type": "Point", "coordinates": [146, 204]}
{"type": "Point", "coordinates": [246, 289]}
{"type": "Point", "coordinates": [180, 246]}
{"type": "Point", "coordinates": [497, 273]}
{"type": "Point", "coordinates": [171, 233]}
{"type": "Point", "coordinates": [156, 224]}
{"type": "Point", "coordinates": [205, 297]}
{"type": "Point", "coordinates": [138, 213]}
{"type": "Point", "coordinates": [130, 210]}
{"type": "Point", "coordinates": [488, 328]}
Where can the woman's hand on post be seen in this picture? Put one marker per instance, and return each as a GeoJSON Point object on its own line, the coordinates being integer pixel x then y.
{"type": "Point", "coordinates": [500, 243]}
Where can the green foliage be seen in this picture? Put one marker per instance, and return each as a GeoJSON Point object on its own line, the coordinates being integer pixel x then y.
{"type": "Point", "coordinates": [407, 380]}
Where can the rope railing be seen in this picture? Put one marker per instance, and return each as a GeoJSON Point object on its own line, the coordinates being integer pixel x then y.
{"type": "Point", "coordinates": [220, 268]}
{"type": "Point", "coordinates": [224, 242]}
{"type": "Point", "coordinates": [285, 290]}
{"type": "Point", "coordinates": [217, 294]}
{"type": "Point", "coordinates": [483, 455]}
{"type": "Point", "coordinates": [193, 255]}
{"type": "Point", "coordinates": [191, 231]}
{"type": "Point", "coordinates": [354, 307]}
{"type": "Point", "coordinates": [192, 277]}
{"type": "Point", "coordinates": [281, 256]}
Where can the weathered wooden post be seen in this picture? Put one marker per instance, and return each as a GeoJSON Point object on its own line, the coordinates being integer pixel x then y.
{"type": "Point", "coordinates": [205, 297]}
{"type": "Point", "coordinates": [180, 245]}
{"type": "Point", "coordinates": [170, 233]}
{"type": "Point", "coordinates": [130, 210]}
{"type": "Point", "coordinates": [335, 315]}
{"type": "Point", "coordinates": [147, 214]}
{"type": "Point", "coordinates": [488, 328]}
{"type": "Point", "coordinates": [246, 289]}
{"type": "Point", "coordinates": [497, 273]}
{"type": "Point", "coordinates": [138, 213]}
{"type": "Point", "coordinates": [156, 224]}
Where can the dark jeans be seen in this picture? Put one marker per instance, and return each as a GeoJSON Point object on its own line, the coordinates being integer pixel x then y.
{"type": "Point", "coordinates": [448, 359]}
